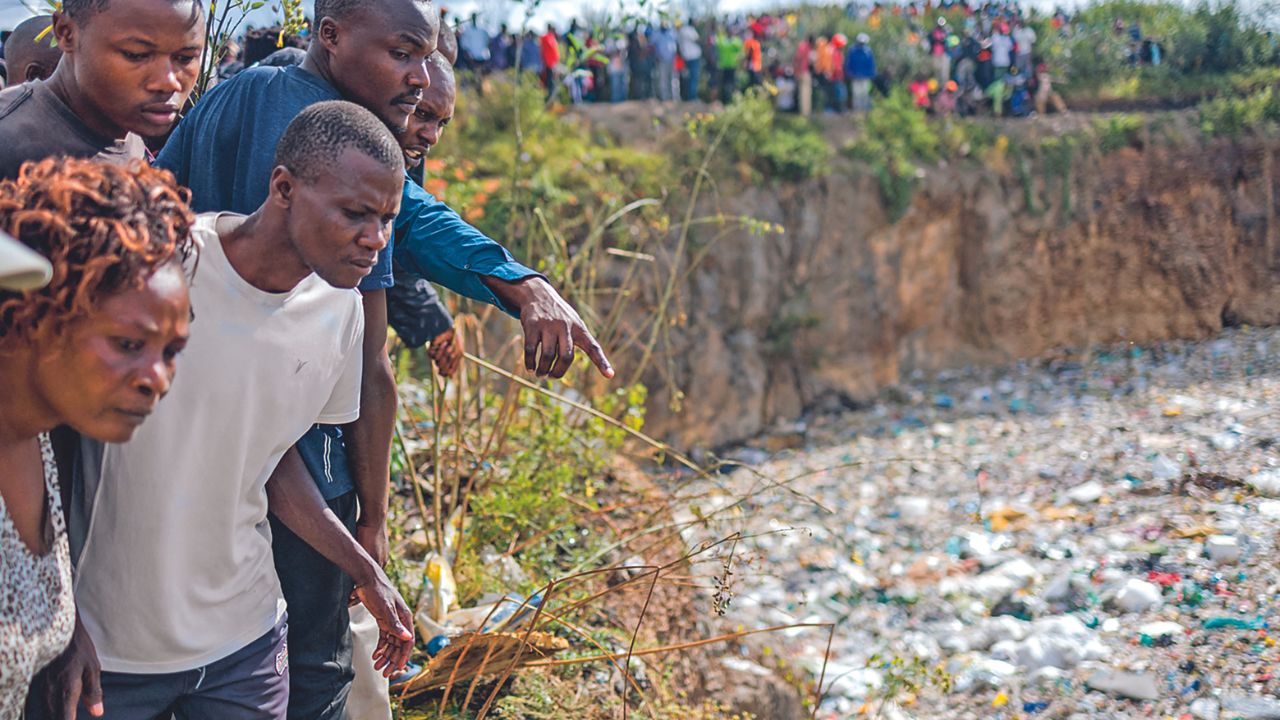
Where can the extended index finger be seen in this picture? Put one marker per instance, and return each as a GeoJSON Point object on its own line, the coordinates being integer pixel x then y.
{"type": "Point", "coordinates": [583, 338]}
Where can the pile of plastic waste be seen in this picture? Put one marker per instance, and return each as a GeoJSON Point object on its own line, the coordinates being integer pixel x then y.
{"type": "Point", "coordinates": [1069, 538]}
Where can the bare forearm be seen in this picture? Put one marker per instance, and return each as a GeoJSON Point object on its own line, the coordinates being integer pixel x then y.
{"type": "Point", "coordinates": [369, 437]}
{"type": "Point", "coordinates": [369, 440]}
{"type": "Point", "coordinates": [293, 498]}
{"type": "Point", "coordinates": [519, 293]}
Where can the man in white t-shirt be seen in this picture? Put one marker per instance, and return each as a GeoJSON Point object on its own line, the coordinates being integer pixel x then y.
{"type": "Point", "coordinates": [1001, 52]}
{"type": "Point", "coordinates": [175, 585]}
{"type": "Point", "coordinates": [1024, 36]}
{"type": "Point", "coordinates": [690, 46]}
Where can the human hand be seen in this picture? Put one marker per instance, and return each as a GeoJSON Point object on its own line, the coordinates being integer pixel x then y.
{"type": "Point", "coordinates": [446, 352]}
{"type": "Point", "coordinates": [552, 329]}
{"type": "Point", "coordinates": [395, 622]}
{"type": "Point", "coordinates": [76, 677]}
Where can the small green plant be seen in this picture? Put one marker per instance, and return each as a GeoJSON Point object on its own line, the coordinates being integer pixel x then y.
{"type": "Point", "coordinates": [902, 678]}
{"type": "Point", "coordinates": [223, 22]}
{"type": "Point", "coordinates": [1058, 156]}
{"type": "Point", "coordinates": [1118, 131]}
{"type": "Point", "coordinates": [896, 141]}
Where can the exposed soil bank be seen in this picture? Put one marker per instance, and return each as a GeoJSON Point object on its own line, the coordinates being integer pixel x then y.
{"type": "Point", "coordinates": [985, 266]}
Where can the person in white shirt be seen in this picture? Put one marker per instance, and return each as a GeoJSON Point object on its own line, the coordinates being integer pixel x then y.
{"type": "Point", "coordinates": [175, 583]}
{"type": "Point", "coordinates": [1001, 52]}
{"type": "Point", "coordinates": [474, 43]}
{"type": "Point", "coordinates": [691, 51]}
{"type": "Point", "coordinates": [1025, 37]}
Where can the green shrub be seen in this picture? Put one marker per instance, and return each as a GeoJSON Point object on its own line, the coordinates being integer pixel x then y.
{"type": "Point", "coordinates": [896, 138]}
{"type": "Point", "coordinates": [777, 146]}
{"type": "Point", "coordinates": [495, 176]}
{"type": "Point", "coordinates": [1057, 157]}
{"type": "Point", "coordinates": [1233, 116]}
{"type": "Point", "coordinates": [794, 150]}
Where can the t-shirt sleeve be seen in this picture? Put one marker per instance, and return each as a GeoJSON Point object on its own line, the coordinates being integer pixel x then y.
{"type": "Point", "coordinates": [433, 242]}
{"type": "Point", "coordinates": [344, 401]}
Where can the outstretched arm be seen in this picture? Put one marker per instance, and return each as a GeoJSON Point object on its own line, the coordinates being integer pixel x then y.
{"type": "Point", "coordinates": [294, 499]}
{"type": "Point", "coordinates": [433, 242]}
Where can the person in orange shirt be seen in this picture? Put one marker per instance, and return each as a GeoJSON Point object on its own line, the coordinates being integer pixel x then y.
{"type": "Point", "coordinates": [837, 91]}
{"type": "Point", "coordinates": [755, 59]}
{"type": "Point", "coordinates": [822, 68]}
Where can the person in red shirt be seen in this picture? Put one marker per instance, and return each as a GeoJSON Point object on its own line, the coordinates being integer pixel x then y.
{"type": "Point", "coordinates": [549, 45]}
{"type": "Point", "coordinates": [920, 92]}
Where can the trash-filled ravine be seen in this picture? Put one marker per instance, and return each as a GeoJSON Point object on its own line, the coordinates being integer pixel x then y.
{"type": "Point", "coordinates": [1091, 535]}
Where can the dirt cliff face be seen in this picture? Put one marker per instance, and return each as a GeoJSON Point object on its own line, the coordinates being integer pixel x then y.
{"type": "Point", "coordinates": [984, 267]}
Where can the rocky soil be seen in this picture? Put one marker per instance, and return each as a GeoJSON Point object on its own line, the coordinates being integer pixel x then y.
{"type": "Point", "coordinates": [1079, 537]}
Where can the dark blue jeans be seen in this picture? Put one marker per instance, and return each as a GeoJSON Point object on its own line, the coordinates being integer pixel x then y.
{"type": "Point", "coordinates": [693, 76]}
{"type": "Point", "coordinates": [250, 684]}
{"type": "Point", "coordinates": [319, 626]}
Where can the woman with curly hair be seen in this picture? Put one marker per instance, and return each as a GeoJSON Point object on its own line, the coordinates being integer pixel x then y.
{"type": "Point", "coordinates": [94, 350]}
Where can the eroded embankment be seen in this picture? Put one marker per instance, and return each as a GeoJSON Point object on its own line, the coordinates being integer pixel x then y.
{"type": "Point", "coordinates": [986, 265]}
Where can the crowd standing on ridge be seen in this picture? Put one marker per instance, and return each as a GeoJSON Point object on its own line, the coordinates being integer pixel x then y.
{"type": "Point", "coordinates": [196, 403]}
{"type": "Point", "coordinates": [979, 58]}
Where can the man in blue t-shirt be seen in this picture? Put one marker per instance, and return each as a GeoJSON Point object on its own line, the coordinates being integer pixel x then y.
{"type": "Point", "coordinates": [372, 53]}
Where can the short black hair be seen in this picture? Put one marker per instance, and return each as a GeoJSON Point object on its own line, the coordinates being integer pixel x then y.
{"type": "Point", "coordinates": [341, 9]}
{"type": "Point", "coordinates": [319, 134]}
{"type": "Point", "coordinates": [81, 10]}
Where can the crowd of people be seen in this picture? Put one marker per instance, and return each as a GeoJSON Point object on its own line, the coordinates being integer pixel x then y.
{"type": "Point", "coordinates": [196, 402]}
{"type": "Point", "coordinates": [979, 58]}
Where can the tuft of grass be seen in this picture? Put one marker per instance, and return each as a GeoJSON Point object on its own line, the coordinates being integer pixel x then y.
{"type": "Point", "coordinates": [1118, 131]}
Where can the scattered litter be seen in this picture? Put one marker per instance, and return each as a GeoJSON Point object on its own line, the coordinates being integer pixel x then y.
{"type": "Point", "coordinates": [1046, 533]}
{"type": "Point", "coordinates": [1136, 686]}
{"type": "Point", "coordinates": [1222, 548]}
{"type": "Point", "coordinates": [1137, 596]}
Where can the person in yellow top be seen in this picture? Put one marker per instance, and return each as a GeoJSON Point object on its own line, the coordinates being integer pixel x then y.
{"type": "Point", "coordinates": [755, 59]}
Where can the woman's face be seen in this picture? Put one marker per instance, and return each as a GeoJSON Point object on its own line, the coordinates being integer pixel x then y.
{"type": "Point", "coordinates": [105, 373]}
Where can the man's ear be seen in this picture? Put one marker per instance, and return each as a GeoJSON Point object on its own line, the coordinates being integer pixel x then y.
{"type": "Point", "coordinates": [34, 72]}
{"type": "Point", "coordinates": [66, 31]}
{"type": "Point", "coordinates": [282, 187]}
{"type": "Point", "coordinates": [328, 33]}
